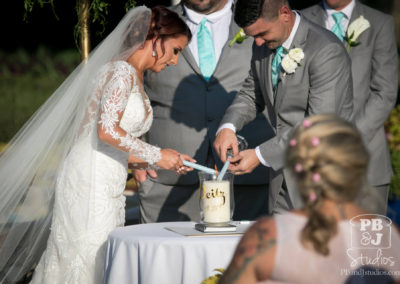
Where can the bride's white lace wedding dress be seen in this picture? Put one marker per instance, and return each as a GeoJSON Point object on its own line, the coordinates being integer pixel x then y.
{"type": "Point", "coordinates": [89, 200]}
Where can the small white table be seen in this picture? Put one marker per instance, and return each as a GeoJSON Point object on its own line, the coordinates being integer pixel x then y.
{"type": "Point", "coordinates": [150, 253]}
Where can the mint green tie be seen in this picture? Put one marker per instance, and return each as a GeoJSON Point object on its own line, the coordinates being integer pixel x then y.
{"type": "Point", "coordinates": [337, 27]}
{"type": "Point", "coordinates": [276, 65]}
{"type": "Point", "coordinates": [205, 49]}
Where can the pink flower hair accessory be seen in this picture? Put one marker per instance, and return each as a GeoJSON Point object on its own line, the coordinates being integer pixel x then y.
{"type": "Point", "coordinates": [316, 177]}
{"type": "Point", "coordinates": [293, 142]}
{"type": "Point", "coordinates": [312, 196]}
{"type": "Point", "coordinates": [298, 168]}
{"type": "Point", "coordinates": [315, 141]}
{"type": "Point", "coordinates": [306, 123]}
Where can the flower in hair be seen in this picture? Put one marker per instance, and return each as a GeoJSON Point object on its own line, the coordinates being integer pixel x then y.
{"type": "Point", "coordinates": [315, 141]}
{"type": "Point", "coordinates": [306, 123]}
{"type": "Point", "coordinates": [298, 168]}
{"type": "Point", "coordinates": [312, 196]}
{"type": "Point", "coordinates": [293, 142]}
{"type": "Point", "coordinates": [316, 177]}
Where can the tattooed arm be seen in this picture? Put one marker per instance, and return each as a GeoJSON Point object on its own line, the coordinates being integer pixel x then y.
{"type": "Point", "coordinates": [254, 257]}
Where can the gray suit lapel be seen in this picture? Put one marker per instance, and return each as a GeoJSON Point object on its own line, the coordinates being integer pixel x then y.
{"type": "Point", "coordinates": [268, 76]}
{"type": "Point", "coordinates": [299, 41]}
{"type": "Point", "coordinates": [187, 54]}
{"type": "Point", "coordinates": [233, 29]}
{"type": "Point", "coordinates": [357, 12]}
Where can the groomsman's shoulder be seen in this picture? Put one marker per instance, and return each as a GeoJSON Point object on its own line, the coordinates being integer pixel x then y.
{"type": "Point", "coordinates": [375, 17]}
{"type": "Point", "coordinates": [312, 10]}
{"type": "Point", "coordinates": [320, 36]}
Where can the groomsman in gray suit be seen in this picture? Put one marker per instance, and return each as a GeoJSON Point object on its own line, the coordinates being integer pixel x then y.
{"type": "Point", "coordinates": [313, 78]}
{"type": "Point", "coordinates": [188, 102]}
{"type": "Point", "coordinates": [374, 65]}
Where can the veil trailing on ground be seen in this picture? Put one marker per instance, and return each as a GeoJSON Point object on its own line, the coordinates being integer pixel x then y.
{"type": "Point", "coordinates": [32, 161]}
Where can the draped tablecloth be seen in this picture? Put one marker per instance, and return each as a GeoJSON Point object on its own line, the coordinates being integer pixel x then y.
{"type": "Point", "coordinates": [150, 254]}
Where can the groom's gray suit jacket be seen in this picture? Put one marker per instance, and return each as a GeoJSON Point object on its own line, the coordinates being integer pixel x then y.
{"type": "Point", "coordinates": [375, 76]}
{"type": "Point", "coordinates": [321, 84]}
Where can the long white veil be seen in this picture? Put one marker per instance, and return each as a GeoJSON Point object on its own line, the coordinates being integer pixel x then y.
{"type": "Point", "coordinates": [31, 163]}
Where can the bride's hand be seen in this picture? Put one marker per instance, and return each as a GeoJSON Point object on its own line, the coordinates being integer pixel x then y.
{"type": "Point", "coordinates": [185, 169]}
{"type": "Point", "coordinates": [170, 160]}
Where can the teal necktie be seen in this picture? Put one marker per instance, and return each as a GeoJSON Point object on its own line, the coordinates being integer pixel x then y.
{"type": "Point", "coordinates": [276, 65]}
{"type": "Point", "coordinates": [337, 27]}
{"type": "Point", "coordinates": [205, 49]}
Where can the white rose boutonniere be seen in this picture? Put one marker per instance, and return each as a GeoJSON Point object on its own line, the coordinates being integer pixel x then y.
{"type": "Point", "coordinates": [292, 60]}
{"type": "Point", "coordinates": [354, 30]}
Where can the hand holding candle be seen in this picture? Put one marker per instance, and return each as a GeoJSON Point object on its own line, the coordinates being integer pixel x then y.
{"type": "Point", "coordinates": [199, 167]}
{"type": "Point", "coordinates": [229, 154]}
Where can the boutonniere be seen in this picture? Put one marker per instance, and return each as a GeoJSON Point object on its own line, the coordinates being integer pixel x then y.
{"type": "Point", "coordinates": [292, 60]}
{"type": "Point", "coordinates": [239, 37]}
{"type": "Point", "coordinates": [354, 30]}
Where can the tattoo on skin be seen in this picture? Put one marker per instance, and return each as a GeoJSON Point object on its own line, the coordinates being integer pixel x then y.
{"type": "Point", "coordinates": [248, 252]}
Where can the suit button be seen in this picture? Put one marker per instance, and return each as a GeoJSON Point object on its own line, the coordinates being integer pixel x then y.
{"type": "Point", "coordinates": [209, 119]}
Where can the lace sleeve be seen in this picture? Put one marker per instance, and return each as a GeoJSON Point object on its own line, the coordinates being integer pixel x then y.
{"type": "Point", "coordinates": [114, 99]}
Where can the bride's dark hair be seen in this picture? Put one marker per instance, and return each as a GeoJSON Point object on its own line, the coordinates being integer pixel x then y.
{"type": "Point", "coordinates": [166, 23]}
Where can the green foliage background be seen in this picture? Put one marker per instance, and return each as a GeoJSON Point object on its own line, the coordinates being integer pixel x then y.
{"type": "Point", "coordinates": [26, 81]}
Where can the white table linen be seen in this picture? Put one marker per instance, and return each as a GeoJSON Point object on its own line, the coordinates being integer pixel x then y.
{"type": "Point", "coordinates": [149, 253]}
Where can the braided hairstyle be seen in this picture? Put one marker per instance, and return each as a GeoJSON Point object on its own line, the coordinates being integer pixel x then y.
{"type": "Point", "coordinates": [329, 161]}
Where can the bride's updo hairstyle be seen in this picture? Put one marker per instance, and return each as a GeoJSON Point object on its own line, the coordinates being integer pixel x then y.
{"type": "Point", "coordinates": [162, 23]}
{"type": "Point", "coordinates": [329, 161]}
{"type": "Point", "coordinates": [166, 23]}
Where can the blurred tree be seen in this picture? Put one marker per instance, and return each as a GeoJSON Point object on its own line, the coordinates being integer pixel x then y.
{"type": "Point", "coordinates": [88, 11]}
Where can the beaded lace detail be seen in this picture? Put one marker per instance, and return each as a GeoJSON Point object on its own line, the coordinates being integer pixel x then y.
{"type": "Point", "coordinates": [122, 95]}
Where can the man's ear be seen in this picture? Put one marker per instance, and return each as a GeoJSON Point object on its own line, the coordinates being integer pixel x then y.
{"type": "Point", "coordinates": [285, 13]}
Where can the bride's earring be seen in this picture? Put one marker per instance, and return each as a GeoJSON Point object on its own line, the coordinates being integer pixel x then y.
{"type": "Point", "coordinates": [153, 53]}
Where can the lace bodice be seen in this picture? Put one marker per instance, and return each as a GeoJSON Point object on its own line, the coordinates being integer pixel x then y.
{"type": "Point", "coordinates": [125, 111]}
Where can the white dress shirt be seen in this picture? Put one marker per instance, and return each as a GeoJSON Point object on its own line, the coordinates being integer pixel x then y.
{"type": "Point", "coordinates": [217, 23]}
{"type": "Point", "coordinates": [286, 44]}
{"type": "Point", "coordinates": [330, 22]}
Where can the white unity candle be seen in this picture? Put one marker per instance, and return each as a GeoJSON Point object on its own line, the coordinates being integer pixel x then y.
{"type": "Point", "coordinates": [216, 201]}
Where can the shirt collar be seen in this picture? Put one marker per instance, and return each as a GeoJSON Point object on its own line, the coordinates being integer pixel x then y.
{"type": "Point", "coordinates": [288, 42]}
{"type": "Point", "coordinates": [196, 17]}
{"type": "Point", "coordinates": [346, 10]}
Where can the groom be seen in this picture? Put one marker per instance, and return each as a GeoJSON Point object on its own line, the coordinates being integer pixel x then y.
{"type": "Point", "coordinates": [374, 67]}
{"type": "Point", "coordinates": [290, 88]}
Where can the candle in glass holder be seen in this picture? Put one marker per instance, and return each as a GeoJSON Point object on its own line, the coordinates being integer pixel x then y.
{"type": "Point", "coordinates": [215, 197]}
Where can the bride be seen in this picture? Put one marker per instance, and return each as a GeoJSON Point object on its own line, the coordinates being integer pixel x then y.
{"type": "Point", "coordinates": [68, 165]}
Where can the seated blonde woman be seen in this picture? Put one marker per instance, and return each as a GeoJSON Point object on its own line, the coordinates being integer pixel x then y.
{"type": "Point", "coordinates": [327, 240]}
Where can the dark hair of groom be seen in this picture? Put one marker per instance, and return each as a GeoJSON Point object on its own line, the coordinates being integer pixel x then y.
{"type": "Point", "coordinates": [248, 11]}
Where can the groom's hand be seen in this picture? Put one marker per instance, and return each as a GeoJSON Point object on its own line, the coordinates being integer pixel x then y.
{"type": "Point", "coordinates": [226, 139]}
{"type": "Point", "coordinates": [141, 175]}
{"type": "Point", "coordinates": [244, 162]}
